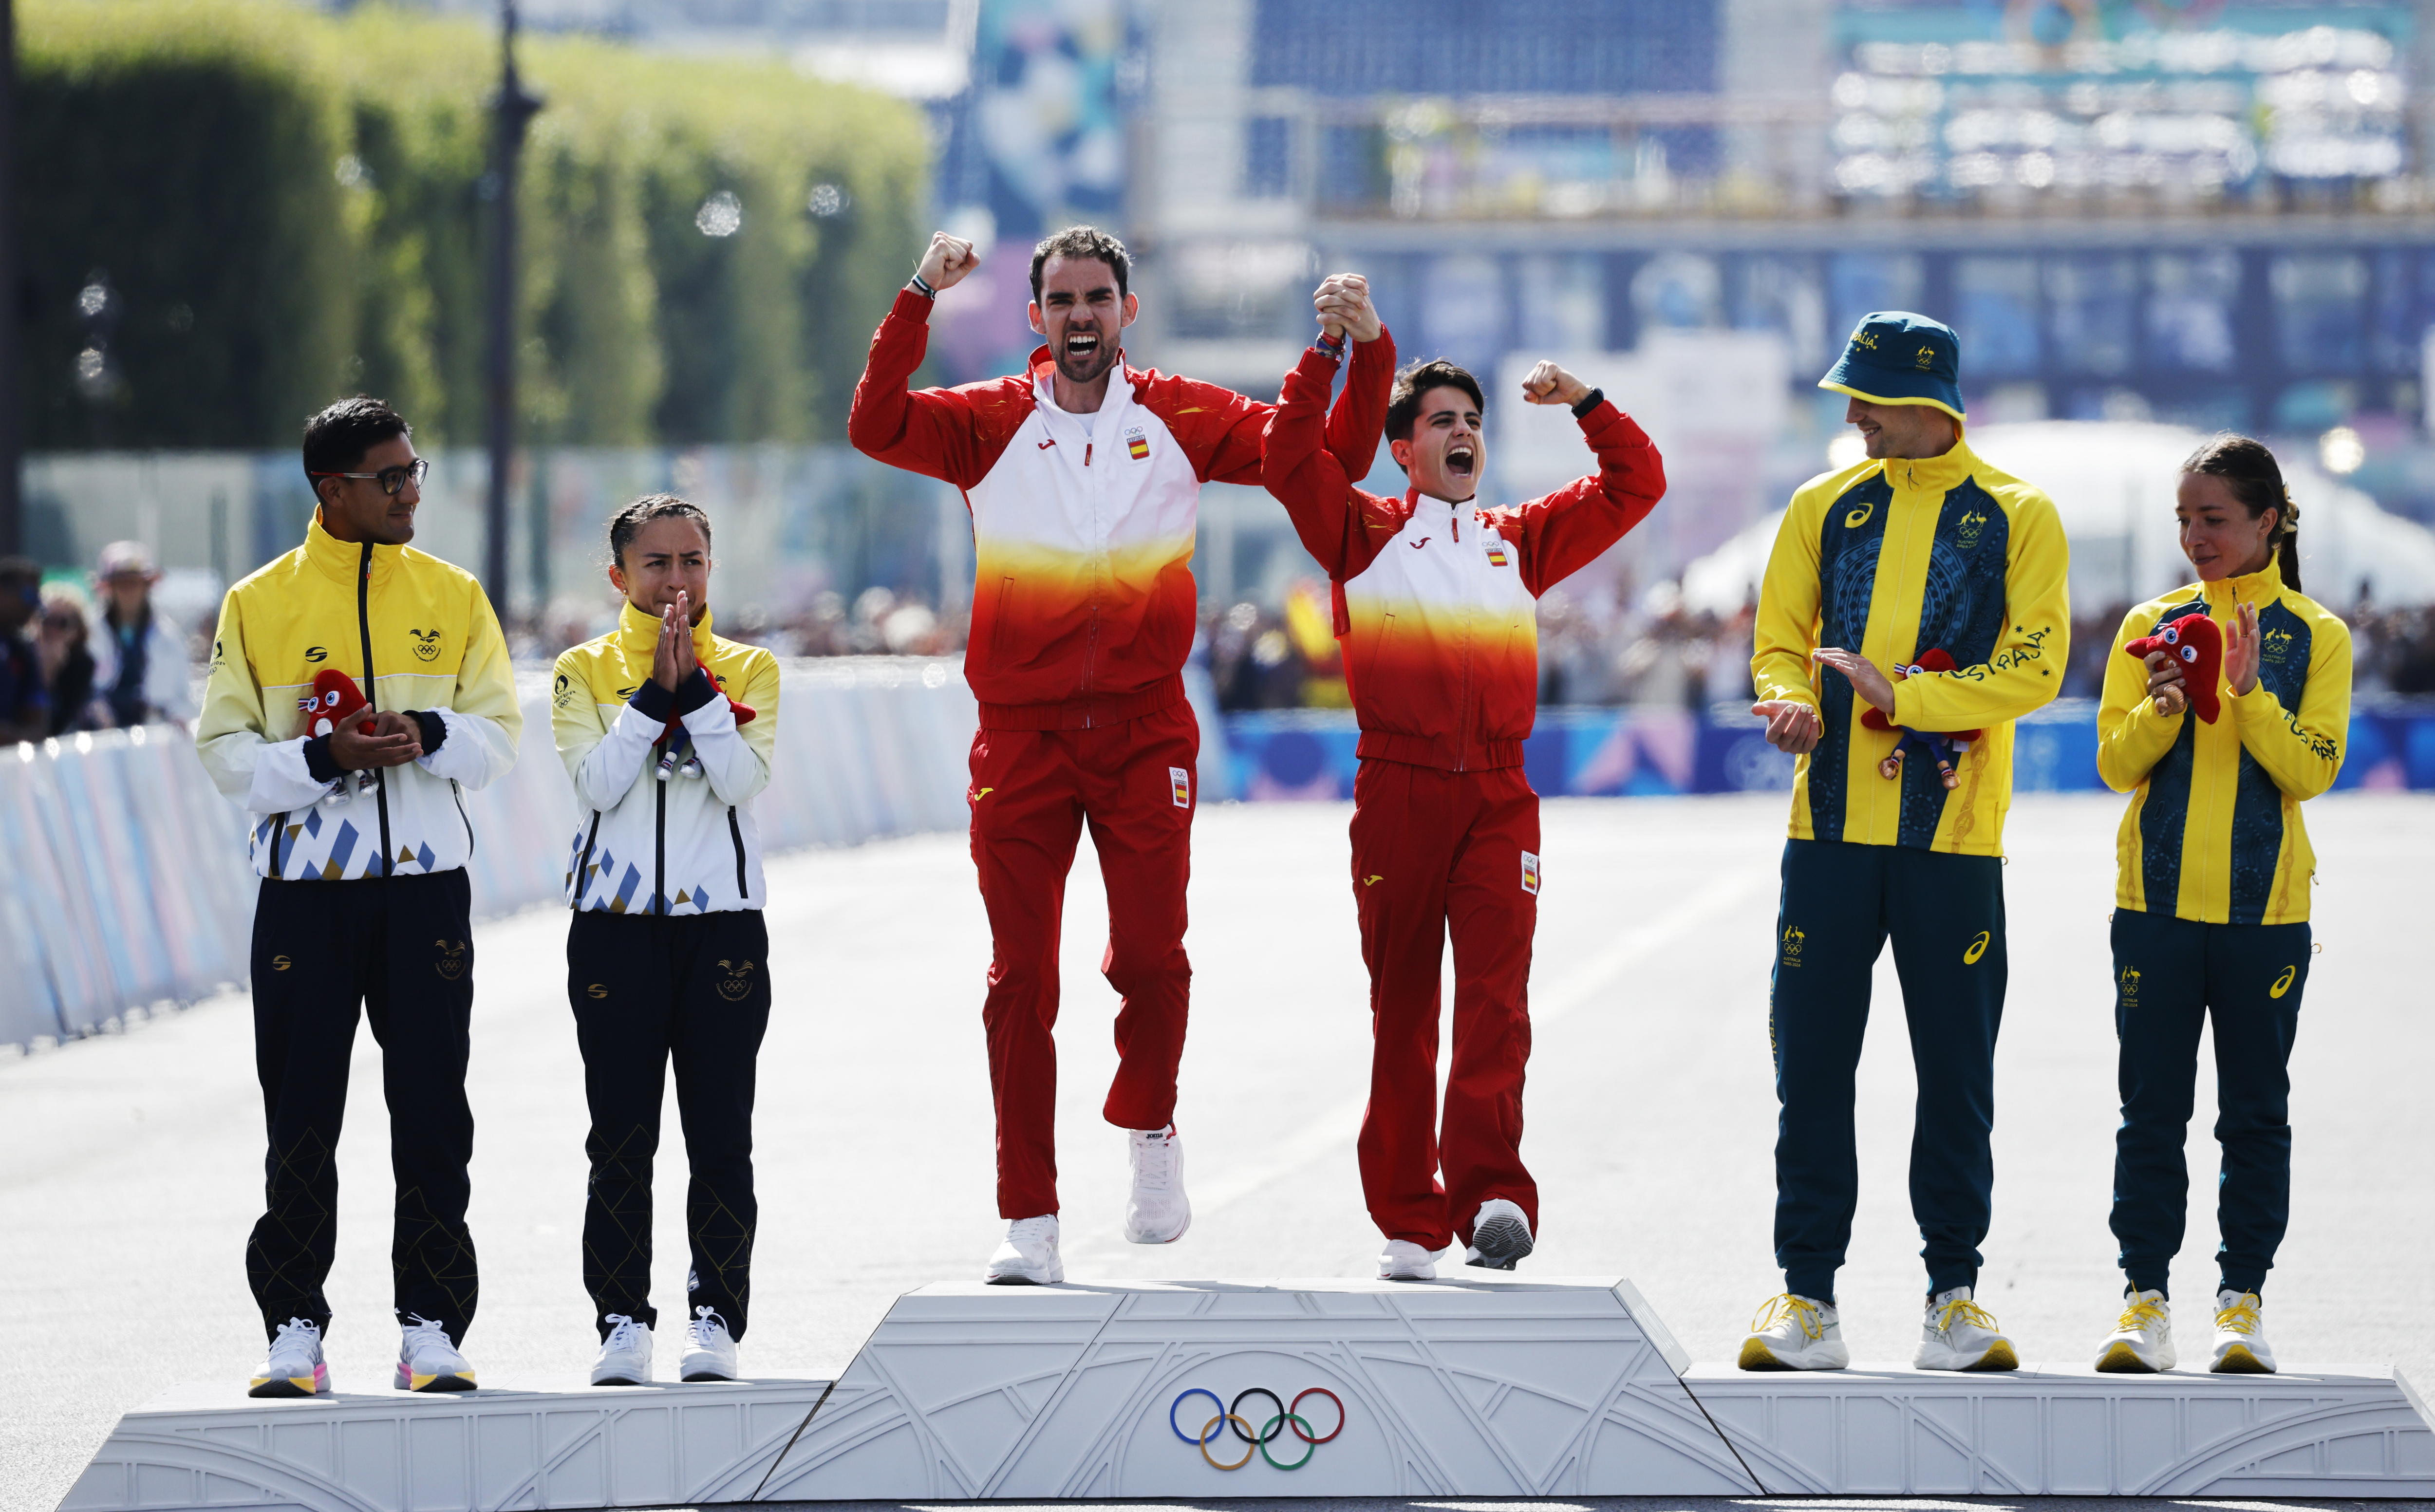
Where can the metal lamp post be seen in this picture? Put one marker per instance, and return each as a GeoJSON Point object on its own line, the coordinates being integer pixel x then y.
{"type": "Point", "coordinates": [512, 111]}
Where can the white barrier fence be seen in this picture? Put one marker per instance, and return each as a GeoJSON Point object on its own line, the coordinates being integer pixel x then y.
{"type": "Point", "coordinates": [128, 886]}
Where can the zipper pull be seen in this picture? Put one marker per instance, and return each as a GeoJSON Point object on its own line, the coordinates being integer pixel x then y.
{"type": "Point", "coordinates": [1086, 453]}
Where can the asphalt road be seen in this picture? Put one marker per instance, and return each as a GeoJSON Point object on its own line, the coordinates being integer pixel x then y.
{"type": "Point", "coordinates": [131, 1165]}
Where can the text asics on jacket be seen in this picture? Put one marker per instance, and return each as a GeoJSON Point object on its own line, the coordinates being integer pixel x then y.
{"type": "Point", "coordinates": [1893, 559]}
{"type": "Point", "coordinates": [2213, 832]}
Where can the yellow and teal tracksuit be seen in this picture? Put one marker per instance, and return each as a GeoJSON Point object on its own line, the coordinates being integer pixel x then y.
{"type": "Point", "coordinates": [667, 959]}
{"type": "Point", "coordinates": [1893, 559]}
{"type": "Point", "coordinates": [2211, 915]}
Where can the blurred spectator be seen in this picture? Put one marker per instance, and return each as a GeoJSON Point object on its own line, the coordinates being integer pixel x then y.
{"type": "Point", "coordinates": [1253, 660]}
{"type": "Point", "coordinates": [64, 645]}
{"type": "Point", "coordinates": [139, 666]}
{"type": "Point", "coordinates": [25, 699]}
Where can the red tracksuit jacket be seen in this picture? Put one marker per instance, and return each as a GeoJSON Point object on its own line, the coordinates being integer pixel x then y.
{"type": "Point", "coordinates": [1436, 604]}
{"type": "Point", "coordinates": [1083, 603]}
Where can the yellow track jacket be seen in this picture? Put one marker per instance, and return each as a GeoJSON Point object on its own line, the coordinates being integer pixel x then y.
{"type": "Point", "coordinates": [1894, 558]}
{"type": "Point", "coordinates": [688, 845]}
{"type": "Point", "coordinates": [2213, 832]}
{"type": "Point", "coordinates": [415, 633]}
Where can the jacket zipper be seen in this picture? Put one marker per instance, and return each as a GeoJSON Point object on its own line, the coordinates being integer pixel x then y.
{"type": "Point", "coordinates": [462, 817]}
{"type": "Point", "coordinates": [583, 867]}
{"type": "Point", "coordinates": [1091, 640]}
{"type": "Point", "coordinates": [278, 833]}
{"type": "Point", "coordinates": [735, 832]}
{"type": "Point", "coordinates": [380, 774]}
{"type": "Point", "coordinates": [659, 844]}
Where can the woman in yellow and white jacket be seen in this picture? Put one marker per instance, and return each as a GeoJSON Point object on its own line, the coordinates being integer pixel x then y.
{"type": "Point", "coordinates": [2210, 909]}
{"type": "Point", "coordinates": [668, 731]}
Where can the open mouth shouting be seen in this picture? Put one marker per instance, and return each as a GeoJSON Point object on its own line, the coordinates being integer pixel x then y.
{"type": "Point", "coordinates": [1082, 355]}
{"type": "Point", "coordinates": [1461, 460]}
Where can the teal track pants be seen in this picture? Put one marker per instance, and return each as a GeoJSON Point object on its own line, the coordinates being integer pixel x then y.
{"type": "Point", "coordinates": [1945, 915]}
{"type": "Point", "coordinates": [2170, 977]}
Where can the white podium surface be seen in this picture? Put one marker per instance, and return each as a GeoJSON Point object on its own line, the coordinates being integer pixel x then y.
{"type": "Point", "coordinates": [2066, 1430]}
{"type": "Point", "coordinates": [1487, 1387]}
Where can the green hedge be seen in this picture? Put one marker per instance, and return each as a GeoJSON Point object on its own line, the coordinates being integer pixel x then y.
{"type": "Point", "coordinates": [288, 205]}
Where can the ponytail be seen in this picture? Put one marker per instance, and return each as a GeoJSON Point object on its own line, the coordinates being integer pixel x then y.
{"type": "Point", "coordinates": [2254, 477]}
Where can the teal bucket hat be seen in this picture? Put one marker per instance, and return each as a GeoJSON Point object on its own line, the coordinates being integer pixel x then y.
{"type": "Point", "coordinates": [1896, 358]}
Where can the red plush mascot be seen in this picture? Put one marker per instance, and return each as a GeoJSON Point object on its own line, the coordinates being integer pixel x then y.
{"type": "Point", "coordinates": [2197, 643]}
{"type": "Point", "coordinates": [1944, 747]}
{"type": "Point", "coordinates": [676, 744]}
{"type": "Point", "coordinates": [336, 697]}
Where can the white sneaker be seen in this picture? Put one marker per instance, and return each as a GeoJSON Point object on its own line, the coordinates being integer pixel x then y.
{"type": "Point", "coordinates": [709, 1349]}
{"type": "Point", "coordinates": [1795, 1333]}
{"type": "Point", "coordinates": [625, 1354]}
{"type": "Point", "coordinates": [1028, 1255]}
{"type": "Point", "coordinates": [1403, 1260]}
{"type": "Point", "coordinates": [2241, 1345]}
{"type": "Point", "coordinates": [1958, 1334]}
{"type": "Point", "coordinates": [1500, 1235]}
{"type": "Point", "coordinates": [295, 1367]}
{"type": "Point", "coordinates": [2142, 1341]}
{"type": "Point", "coordinates": [426, 1361]}
{"type": "Point", "coordinates": [1158, 1212]}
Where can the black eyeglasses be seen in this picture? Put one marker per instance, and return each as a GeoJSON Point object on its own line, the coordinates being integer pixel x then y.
{"type": "Point", "coordinates": [389, 478]}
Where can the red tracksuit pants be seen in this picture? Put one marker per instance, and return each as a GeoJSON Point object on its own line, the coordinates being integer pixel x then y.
{"type": "Point", "coordinates": [1033, 790]}
{"type": "Point", "coordinates": [1436, 851]}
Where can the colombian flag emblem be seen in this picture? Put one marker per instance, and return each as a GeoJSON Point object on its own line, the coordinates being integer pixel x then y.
{"type": "Point", "coordinates": [1138, 444]}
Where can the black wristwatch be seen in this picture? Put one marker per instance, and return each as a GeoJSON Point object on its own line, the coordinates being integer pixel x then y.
{"type": "Point", "coordinates": [1589, 401]}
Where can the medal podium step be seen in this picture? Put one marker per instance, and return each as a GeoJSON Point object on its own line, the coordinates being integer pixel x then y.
{"type": "Point", "coordinates": [1488, 1387]}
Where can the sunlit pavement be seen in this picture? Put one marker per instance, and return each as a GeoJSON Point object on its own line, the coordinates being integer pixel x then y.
{"type": "Point", "coordinates": [131, 1165]}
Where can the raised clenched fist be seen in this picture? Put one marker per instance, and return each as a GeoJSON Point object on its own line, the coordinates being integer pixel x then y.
{"type": "Point", "coordinates": [946, 260]}
{"type": "Point", "coordinates": [1552, 384]}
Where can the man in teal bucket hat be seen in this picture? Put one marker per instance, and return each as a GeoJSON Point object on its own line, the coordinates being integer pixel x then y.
{"type": "Point", "coordinates": [1919, 590]}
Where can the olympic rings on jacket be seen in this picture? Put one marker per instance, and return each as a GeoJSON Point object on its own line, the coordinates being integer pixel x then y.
{"type": "Point", "coordinates": [1229, 1416]}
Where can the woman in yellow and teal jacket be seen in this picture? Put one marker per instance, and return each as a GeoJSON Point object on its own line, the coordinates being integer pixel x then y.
{"type": "Point", "coordinates": [2211, 912]}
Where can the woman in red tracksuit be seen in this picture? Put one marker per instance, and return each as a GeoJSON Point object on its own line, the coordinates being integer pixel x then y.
{"type": "Point", "coordinates": [1436, 605]}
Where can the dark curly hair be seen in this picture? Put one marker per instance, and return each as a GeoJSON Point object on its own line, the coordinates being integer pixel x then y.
{"type": "Point", "coordinates": [2249, 471]}
{"type": "Point", "coordinates": [626, 523]}
{"type": "Point", "coordinates": [1413, 383]}
{"type": "Point", "coordinates": [1080, 242]}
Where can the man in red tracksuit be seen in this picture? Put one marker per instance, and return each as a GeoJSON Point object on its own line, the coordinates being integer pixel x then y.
{"type": "Point", "coordinates": [1436, 605]}
{"type": "Point", "coordinates": [1083, 493]}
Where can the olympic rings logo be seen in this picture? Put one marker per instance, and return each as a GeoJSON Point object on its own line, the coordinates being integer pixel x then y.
{"type": "Point", "coordinates": [1230, 1416]}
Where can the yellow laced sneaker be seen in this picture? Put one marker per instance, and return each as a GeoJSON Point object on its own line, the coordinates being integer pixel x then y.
{"type": "Point", "coordinates": [1794, 1332]}
{"type": "Point", "coordinates": [2142, 1341]}
{"type": "Point", "coordinates": [2240, 1346]}
{"type": "Point", "coordinates": [1958, 1334]}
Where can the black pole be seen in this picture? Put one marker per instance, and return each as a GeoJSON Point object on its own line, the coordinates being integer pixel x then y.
{"type": "Point", "coordinates": [12, 435]}
{"type": "Point", "coordinates": [512, 111]}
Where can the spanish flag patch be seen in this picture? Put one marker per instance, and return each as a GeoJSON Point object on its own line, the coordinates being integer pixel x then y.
{"type": "Point", "coordinates": [1496, 557]}
{"type": "Point", "coordinates": [1138, 444]}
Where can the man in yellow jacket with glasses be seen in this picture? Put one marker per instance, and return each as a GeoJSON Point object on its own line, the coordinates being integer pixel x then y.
{"type": "Point", "coordinates": [1913, 608]}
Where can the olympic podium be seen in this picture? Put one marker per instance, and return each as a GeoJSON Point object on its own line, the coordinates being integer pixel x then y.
{"type": "Point", "coordinates": [1488, 1386]}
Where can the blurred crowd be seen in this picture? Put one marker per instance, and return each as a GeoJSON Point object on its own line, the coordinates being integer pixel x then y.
{"type": "Point", "coordinates": [90, 655]}
{"type": "Point", "coordinates": [95, 653]}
